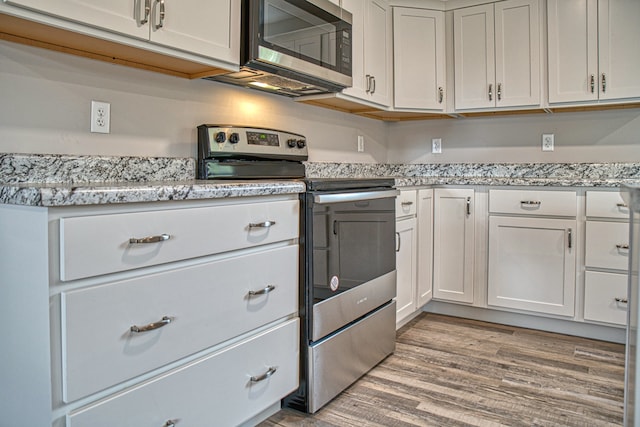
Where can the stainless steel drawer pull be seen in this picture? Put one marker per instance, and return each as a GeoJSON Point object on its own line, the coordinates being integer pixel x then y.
{"type": "Point", "coordinates": [622, 205]}
{"type": "Point", "coordinates": [170, 423]}
{"type": "Point", "coordinates": [468, 205]}
{"type": "Point", "coordinates": [160, 24]}
{"type": "Point", "coordinates": [398, 244]}
{"type": "Point", "coordinates": [499, 91]}
{"type": "Point", "coordinates": [147, 11]}
{"type": "Point", "coordinates": [151, 326]}
{"type": "Point", "coordinates": [150, 239]}
{"type": "Point", "coordinates": [264, 224]}
{"type": "Point", "coordinates": [622, 246]}
{"type": "Point", "coordinates": [570, 238]}
{"type": "Point", "coordinates": [530, 202]}
{"type": "Point", "coordinates": [622, 300]}
{"type": "Point", "coordinates": [263, 291]}
{"type": "Point", "coordinates": [592, 83]}
{"type": "Point", "coordinates": [272, 370]}
{"type": "Point", "coordinates": [604, 83]}
{"type": "Point", "coordinates": [490, 92]}
{"type": "Point", "coordinates": [440, 95]}
{"type": "Point", "coordinates": [406, 203]}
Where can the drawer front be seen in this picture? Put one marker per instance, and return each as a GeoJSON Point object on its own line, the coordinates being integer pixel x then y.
{"type": "Point", "coordinates": [207, 304]}
{"type": "Point", "coordinates": [606, 204]}
{"type": "Point", "coordinates": [533, 202]}
{"type": "Point", "coordinates": [214, 391]}
{"type": "Point", "coordinates": [406, 203]}
{"type": "Point", "coordinates": [607, 245]}
{"type": "Point", "coordinates": [603, 297]}
{"type": "Point", "coordinates": [100, 244]}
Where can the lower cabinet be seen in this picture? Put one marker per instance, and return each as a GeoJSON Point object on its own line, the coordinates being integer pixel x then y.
{"type": "Point", "coordinates": [406, 262]}
{"type": "Point", "coordinates": [532, 264]}
{"type": "Point", "coordinates": [605, 297]}
{"type": "Point", "coordinates": [425, 247]}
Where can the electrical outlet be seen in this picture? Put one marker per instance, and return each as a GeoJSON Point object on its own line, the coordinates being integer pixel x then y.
{"type": "Point", "coordinates": [436, 145]}
{"type": "Point", "coordinates": [547, 142]}
{"type": "Point", "coordinates": [360, 144]}
{"type": "Point", "coordinates": [100, 117]}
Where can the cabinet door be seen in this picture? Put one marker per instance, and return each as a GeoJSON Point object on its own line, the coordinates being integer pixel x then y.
{"type": "Point", "coordinates": [425, 247]}
{"type": "Point", "coordinates": [209, 28]}
{"type": "Point", "coordinates": [572, 50]}
{"type": "Point", "coordinates": [377, 53]}
{"type": "Point", "coordinates": [419, 62]}
{"type": "Point", "coordinates": [532, 264]}
{"type": "Point", "coordinates": [115, 15]}
{"type": "Point", "coordinates": [517, 38]}
{"type": "Point", "coordinates": [453, 241]}
{"type": "Point", "coordinates": [359, 85]}
{"type": "Point", "coordinates": [474, 56]}
{"type": "Point", "coordinates": [405, 268]}
{"type": "Point", "coordinates": [619, 48]}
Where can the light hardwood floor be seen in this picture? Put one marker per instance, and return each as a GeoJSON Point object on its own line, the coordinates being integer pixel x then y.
{"type": "Point", "coordinates": [455, 372]}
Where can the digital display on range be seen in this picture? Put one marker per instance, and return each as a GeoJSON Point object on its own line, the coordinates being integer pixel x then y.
{"type": "Point", "coordinates": [262, 138]}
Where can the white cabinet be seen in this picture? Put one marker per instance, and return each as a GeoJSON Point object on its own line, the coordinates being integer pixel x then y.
{"type": "Point", "coordinates": [532, 258]}
{"type": "Point", "coordinates": [418, 59]}
{"type": "Point", "coordinates": [425, 247]}
{"type": "Point", "coordinates": [497, 55]}
{"type": "Point", "coordinates": [406, 263]}
{"type": "Point", "coordinates": [453, 244]}
{"type": "Point", "coordinates": [593, 50]}
{"type": "Point", "coordinates": [606, 258]}
{"type": "Point", "coordinates": [206, 28]}
{"type": "Point", "coordinates": [372, 51]}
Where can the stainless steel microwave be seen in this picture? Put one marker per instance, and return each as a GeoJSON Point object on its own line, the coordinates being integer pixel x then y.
{"type": "Point", "coordinates": [294, 47]}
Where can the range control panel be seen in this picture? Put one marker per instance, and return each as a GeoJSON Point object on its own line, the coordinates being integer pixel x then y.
{"type": "Point", "coordinates": [218, 141]}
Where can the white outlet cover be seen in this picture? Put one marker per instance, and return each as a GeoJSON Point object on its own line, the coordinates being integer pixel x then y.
{"type": "Point", "coordinates": [436, 146]}
{"type": "Point", "coordinates": [548, 140]}
{"type": "Point", "coordinates": [100, 117]}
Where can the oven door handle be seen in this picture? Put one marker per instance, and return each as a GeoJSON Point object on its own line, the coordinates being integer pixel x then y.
{"type": "Point", "coordinates": [353, 197]}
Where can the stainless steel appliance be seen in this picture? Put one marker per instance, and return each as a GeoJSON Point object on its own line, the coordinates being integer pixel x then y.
{"type": "Point", "coordinates": [293, 47]}
{"type": "Point", "coordinates": [347, 257]}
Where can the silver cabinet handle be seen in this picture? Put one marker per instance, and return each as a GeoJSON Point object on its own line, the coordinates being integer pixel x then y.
{"type": "Point", "coordinates": [592, 83]}
{"type": "Point", "coordinates": [440, 95]}
{"type": "Point", "coordinates": [262, 291]}
{"type": "Point", "coordinates": [604, 83]}
{"type": "Point", "coordinates": [570, 238]}
{"type": "Point", "coordinates": [530, 202]}
{"type": "Point", "coordinates": [499, 92]}
{"type": "Point", "coordinates": [468, 205]}
{"type": "Point", "coordinates": [622, 246]}
{"type": "Point", "coordinates": [621, 300]}
{"type": "Point", "coordinates": [622, 205]}
{"type": "Point", "coordinates": [170, 423]}
{"type": "Point", "coordinates": [151, 326]}
{"type": "Point", "coordinates": [490, 92]}
{"type": "Point", "coordinates": [408, 203]}
{"type": "Point", "coordinates": [398, 240]}
{"type": "Point", "coordinates": [150, 239]}
{"type": "Point", "coordinates": [263, 224]}
{"type": "Point", "coordinates": [160, 23]}
{"type": "Point", "coordinates": [272, 370]}
{"type": "Point", "coordinates": [368, 77]}
{"type": "Point", "coordinates": [147, 11]}
{"type": "Point", "coordinates": [373, 88]}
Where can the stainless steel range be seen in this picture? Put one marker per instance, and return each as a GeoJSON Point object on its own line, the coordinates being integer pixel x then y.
{"type": "Point", "coordinates": [347, 256]}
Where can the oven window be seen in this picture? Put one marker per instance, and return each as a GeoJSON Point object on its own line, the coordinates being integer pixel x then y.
{"type": "Point", "coordinates": [353, 243]}
{"type": "Point", "coordinates": [300, 29]}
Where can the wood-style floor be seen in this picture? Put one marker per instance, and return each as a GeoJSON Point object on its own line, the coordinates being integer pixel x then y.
{"type": "Point", "coordinates": [456, 372]}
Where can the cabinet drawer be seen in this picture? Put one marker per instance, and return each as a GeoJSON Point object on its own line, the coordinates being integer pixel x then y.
{"type": "Point", "coordinates": [217, 390]}
{"type": "Point", "coordinates": [406, 203]}
{"type": "Point", "coordinates": [533, 202]}
{"type": "Point", "coordinates": [208, 303]}
{"type": "Point", "coordinates": [600, 293]}
{"type": "Point", "coordinates": [606, 204]}
{"type": "Point", "coordinates": [100, 244]}
{"type": "Point", "coordinates": [607, 245]}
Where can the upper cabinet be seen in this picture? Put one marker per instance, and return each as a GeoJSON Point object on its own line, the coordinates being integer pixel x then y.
{"type": "Point", "coordinates": [418, 59]}
{"type": "Point", "coordinates": [497, 55]}
{"type": "Point", "coordinates": [207, 28]}
{"type": "Point", "coordinates": [372, 57]}
{"type": "Point", "coordinates": [593, 50]}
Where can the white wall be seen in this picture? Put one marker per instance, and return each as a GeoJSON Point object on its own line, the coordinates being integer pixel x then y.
{"type": "Point", "coordinates": [45, 100]}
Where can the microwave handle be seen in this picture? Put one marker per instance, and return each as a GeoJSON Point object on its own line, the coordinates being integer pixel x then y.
{"type": "Point", "coordinates": [353, 197]}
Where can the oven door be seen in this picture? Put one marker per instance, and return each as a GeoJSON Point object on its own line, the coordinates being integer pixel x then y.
{"type": "Point", "coordinates": [352, 262]}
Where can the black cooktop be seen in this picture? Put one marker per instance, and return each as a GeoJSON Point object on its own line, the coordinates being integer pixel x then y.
{"type": "Point", "coordinates": [330, 184]}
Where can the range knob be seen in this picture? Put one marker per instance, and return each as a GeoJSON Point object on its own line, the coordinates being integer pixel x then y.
{"type": "Point", "coordinates": [220, 137]}
{"type": "Point", "coordinates": [301, 143]}
{"type": "Point", "coordinates": [234, 138]}
{"type": "Point", "coordinates": [292, 143]}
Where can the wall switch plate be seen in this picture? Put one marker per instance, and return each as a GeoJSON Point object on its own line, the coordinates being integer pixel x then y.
{"type": "Point", "coordinates": [100, 117]}
{"type": "Point", "coordinates": [547, 141]}
{"type": "Point", "coordinates": [360, 144]}
{"type": "Point", "coordinates": [436, 145]}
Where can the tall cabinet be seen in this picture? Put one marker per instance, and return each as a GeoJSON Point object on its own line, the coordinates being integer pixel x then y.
{"type": "Point", "coordinates": [497, 55]}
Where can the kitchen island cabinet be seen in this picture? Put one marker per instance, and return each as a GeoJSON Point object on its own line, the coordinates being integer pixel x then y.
{"type": "Point", "coordinates": [135, 311]}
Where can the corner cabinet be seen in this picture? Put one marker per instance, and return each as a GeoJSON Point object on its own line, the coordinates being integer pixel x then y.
{"type": "Point", "coordinates": [418, 59]}
{"type": "Point", "coordinates": [453, 244]}
{"type": "Point", "coordinates": [532, 258]}
{"type": "Point", "coordinates": [497, 55]}
{"type": "Point", "coordinates": [145, 314]}
{"type": "Point", "coordinates": [372, 47]}
{"type": "Point", "coordinates": [593, 50]}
